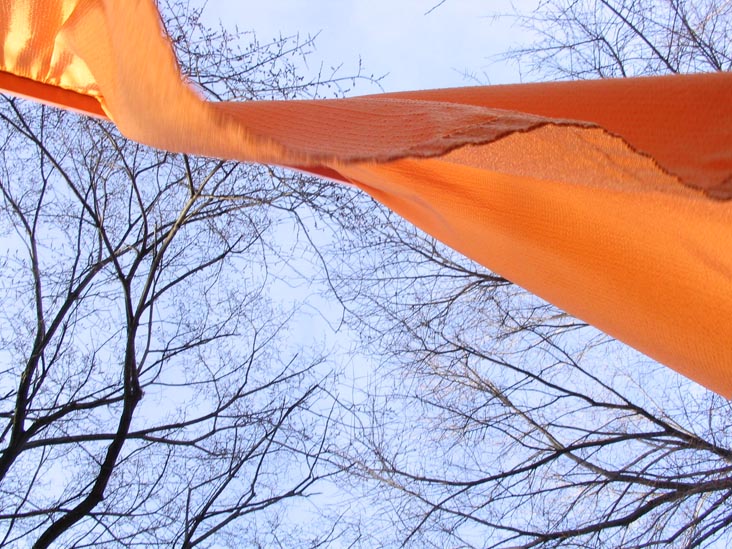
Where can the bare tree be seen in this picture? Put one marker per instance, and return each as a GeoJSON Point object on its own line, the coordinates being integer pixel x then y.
{"type": "Point", "coordinates": [150, 394]}
{"type": "Point", "coordinates": [580, 39]}
{"type": "Point", "coordinates": [496, 419]}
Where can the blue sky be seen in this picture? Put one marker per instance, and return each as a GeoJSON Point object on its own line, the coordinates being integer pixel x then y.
{"type": "Point", "coordinates": [414, 45]}
{"type": "Point", "coordinates": [417, 49]}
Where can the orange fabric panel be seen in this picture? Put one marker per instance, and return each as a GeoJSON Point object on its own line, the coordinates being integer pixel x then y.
{"type": "Point", "coordinates": [650, 268]}
{"type": "Point", "coordinates": [51, 95]}
{"type": "Point", "coordinates": [603, 197]}
{"type": "Point", "coordinates": [683, 121]}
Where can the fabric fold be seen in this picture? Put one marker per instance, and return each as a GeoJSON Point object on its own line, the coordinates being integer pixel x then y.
{"type": "Point", "coordinates": [608, 198]}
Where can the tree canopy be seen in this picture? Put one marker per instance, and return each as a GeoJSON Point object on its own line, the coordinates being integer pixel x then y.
{"type": "Point", "coordinates": [153, 393]}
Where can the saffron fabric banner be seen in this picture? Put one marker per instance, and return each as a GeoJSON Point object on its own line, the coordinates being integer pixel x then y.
{"type": "Point", "coordinates": [608, 198]}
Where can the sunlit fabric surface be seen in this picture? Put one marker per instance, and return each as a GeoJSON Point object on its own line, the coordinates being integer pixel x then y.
{"type": "Point", "coordinates": [607, 198]}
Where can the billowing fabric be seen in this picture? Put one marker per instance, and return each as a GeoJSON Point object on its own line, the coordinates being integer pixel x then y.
{"type": "Point", "coordinates": [607, 198]}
